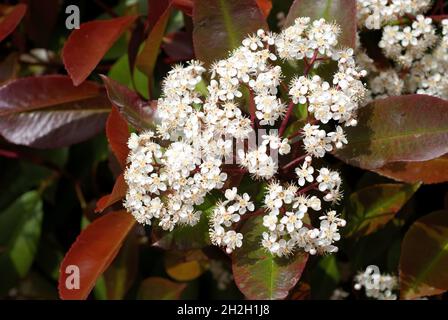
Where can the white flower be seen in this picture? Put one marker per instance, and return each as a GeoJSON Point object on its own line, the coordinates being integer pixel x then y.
{"type": "Point", "coordinates": [270, 221]}
{"type": "Point", "coordinates": [305, 173]}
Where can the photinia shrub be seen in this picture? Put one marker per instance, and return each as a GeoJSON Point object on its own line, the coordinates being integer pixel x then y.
{"type": "Point", "coordinates": [166, 146]}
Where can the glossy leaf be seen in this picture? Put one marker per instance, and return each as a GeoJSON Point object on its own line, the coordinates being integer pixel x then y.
{"type": "Point", "coordinates": [118, 193]}
{"type": "Point", "coordinates": [371, 208]}
{"type": "Point", "coordinates": [10, 18]}
{"type": "Point", "coordinates": [403, 128]}
{"type": "Point", "coordinates": [86, 46]}
{"type": "Point", "coordinates": [136, 111]}
{"type": "Point", "coordinates": [428, 172]}
{"type": "Point", "coordinates": [49, 112]}
{"type": "Point", "coordinates": [258, 274]}
{"type": "Point", "coordinates": [147, 58]}
{"type": "Point", "coordinates": [343, 12]}
{"type": "Point", "coordinates": [156, 288]}
{"type": "Point", "coordinates": [220, 26]}
{"type": "Point", "coordinates": [424, 257]}
{"type": "Point", "coordinates": [93, 251]}
{"type": "Point", "coordinates": [20, 230]}
{"type": "Point", "coordinates": [117, 132]}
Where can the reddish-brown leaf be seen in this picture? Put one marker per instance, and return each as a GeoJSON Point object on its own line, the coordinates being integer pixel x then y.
{"type": "Point", "coordinates": [156, 8]}
{"type": "Point", "coordinates": [428, 172]}
{"type": "Point", "coordinates": [86, 46]}
{"type": "Point", "coordinates": [220, 26]}
{"type": "Point", "coordinates": [343, 12]}
{"type": "Point", "coordinates": [117, 131]}
{"type": "Point", "coordinates": [93, 251]}
{"type": "Point", "coordinates": [49, 112]}
{"type": "Point", "coordinates": [424, 257]}
{"type": "Point", "coordinates": [10, 18]}
{"type": "Point", "coordinates": [118, 193]}
{"type": "Point", "coordinates": [404, 128]}
{"type": "Point", "coordinates": [135, 110]}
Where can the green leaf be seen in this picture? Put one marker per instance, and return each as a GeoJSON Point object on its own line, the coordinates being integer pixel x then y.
{"type": "Point", "coordinates": [260, 275]}
{"type": "Point", "coordinates": [325, 278]}
{"type": "Point", "coordinates": [156, 288]}
{"type": "Point", "coordinates": [404, 128]}
{"type": "Point", "coordinates": [20, 229]}
{"type": "Point", "coordinates": [424, 257]}
{"type": "Point", "coordinates": [372, 207]}
{"type": "Point", "coordinates": [121, 73]}
{"type": "Point", "coordinates": [220, 26]}
{"type": "Point", "coordinates": [343, 12]}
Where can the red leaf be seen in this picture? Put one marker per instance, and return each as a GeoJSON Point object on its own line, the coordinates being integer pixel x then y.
{"type": "Point", "coordinates": [135, 110]}
{"type": "Point", "coordinates": [220, 26]}
{"type": "Point", "coordinates": [428, 172]}
{"type": "Point", "coordinates": [147, 58]}
{"type": "Point", "coordinates": [156, 8]}
{"type": "Point", "coordinates": [265, 6]}
{"type": "Point", "coordinates": [93, 251]}
{"type": "Point", "coordinates": [118, 193]}
{"type": "Point", "coordinates": [85, 47]}
{"type": "Point", "coordinates": [48, 111]}
{"type": "Point", "coordinates": [11, 17]}
{"type": "Point", "coordinates": [404, 128]}
{"type": "Point", "coordinates": [117, 132]}
{"type": "Point", "coordinates": [178, 46]}
{"type": "Point", "coordinates": [343, 12]}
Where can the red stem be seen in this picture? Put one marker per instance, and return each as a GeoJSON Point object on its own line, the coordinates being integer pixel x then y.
{"type": "Point", "coordinates": [286, 119]}
{"type": "Point", "coordinates": [308, 188]}
{"type": "Point", "coordinates": [293, 163]}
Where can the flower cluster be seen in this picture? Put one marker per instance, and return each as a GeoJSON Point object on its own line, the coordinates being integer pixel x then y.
{"type": "Point", "coordinates": [373, 14]}
{"type": "Point", "coordinates": [416, 45]}
{"type": "Point", "coordinates": [287, 207]}
{"type": "Point", "coordinates": [377, 286]}
{"type": "Point", "coordinates": [405, 44]}
{"type": "Point", "coordinates": [224, 215]}
{"type": "Point", "coordinates": [171, 170]}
